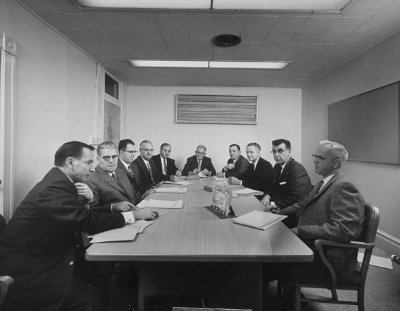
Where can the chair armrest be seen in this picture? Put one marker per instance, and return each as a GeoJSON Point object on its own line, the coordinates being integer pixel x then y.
{"type": "Point", "coordinates": [352, 244]}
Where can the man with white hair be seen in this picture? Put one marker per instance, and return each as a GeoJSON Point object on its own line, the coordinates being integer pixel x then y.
{"type": "Point", "coordinates": [333, 210]}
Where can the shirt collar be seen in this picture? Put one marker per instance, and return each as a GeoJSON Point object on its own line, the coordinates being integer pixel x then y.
{"type": "Point", "coordinates": [125, 164]}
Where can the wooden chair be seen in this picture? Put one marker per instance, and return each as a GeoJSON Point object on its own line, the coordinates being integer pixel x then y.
{"type": "Point", "coordinates": [5, 281]}
{"type": "Point", "coordinates": [366, 242]}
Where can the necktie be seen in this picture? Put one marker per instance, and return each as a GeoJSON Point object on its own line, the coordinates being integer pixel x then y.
{"type": "Point", "coordinates": [252, 167]}
{"type": "Point", "coordinates": [199, 164]}
{"type": "Point", "coordinates": [151, 175]}
{"type": "Point", "coordinates": [165, 167]}
{"type": "Point", "coordinates": [319, 186]}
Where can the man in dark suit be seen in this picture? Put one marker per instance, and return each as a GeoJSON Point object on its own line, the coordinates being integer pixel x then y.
{"type": "Point", "coordinates": [291, 183]}
{"type": "Point", "coordinates": [41, 242]}
{"type": "Point", "coordinates": [237, 165]}
{"type": "Point", "coordinates": [333, 210]}
{"type": "Point", "coordinates": [199, 163]}
{"type": "Point", "coordinates": [144, 169]}
{"type": "Point", "coordinates": [164, 164]}
{"type": "Point", "coordinates": [108, 182]}
{"type": "Point", "coordinates": [127, 151]}
{"type": "Point", "coordinates": [259, 173]}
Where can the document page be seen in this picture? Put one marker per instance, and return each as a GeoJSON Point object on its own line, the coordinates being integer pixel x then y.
{"type": "Point", "coordinates": [171, 190]}
{"type": "Point", "coordinates": [246, 191]}
{"type": "Point", "coordinates": [160, 203]}
{"type": "Point", "coordinates": [127, 233]}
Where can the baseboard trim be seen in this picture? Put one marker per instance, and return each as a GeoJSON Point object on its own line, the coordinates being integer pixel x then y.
{"type": "Point", "coordinates": [388, 242]}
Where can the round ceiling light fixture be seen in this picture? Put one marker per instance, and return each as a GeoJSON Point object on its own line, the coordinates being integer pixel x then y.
{"type": "Point", "coordinates": [226, 40]}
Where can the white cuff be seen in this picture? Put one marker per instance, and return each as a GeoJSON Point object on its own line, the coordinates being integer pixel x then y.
{"type": "Point", "coordinates": [129, 218]}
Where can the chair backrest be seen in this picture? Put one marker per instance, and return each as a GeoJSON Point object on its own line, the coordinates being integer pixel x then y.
{"type": "Point", "coordinates": [368, 236]}
{"type": "Point", "coordinates": [370, 226]}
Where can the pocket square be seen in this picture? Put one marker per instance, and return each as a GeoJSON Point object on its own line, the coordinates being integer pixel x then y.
{"type": "Point", "coordinates": [282, 183]}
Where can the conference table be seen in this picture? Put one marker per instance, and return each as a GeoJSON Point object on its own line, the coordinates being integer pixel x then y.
{"type": "Point", "coordinates": [192, 250]}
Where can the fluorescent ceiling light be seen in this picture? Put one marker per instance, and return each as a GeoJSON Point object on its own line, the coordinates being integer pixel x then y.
{"type": "Point", "coordinates": [267, 5]}
{"type": "Point", "coordinates": [207, 64]}
{"type": "Point", "coordinates": [282, 5]}
{"type": "Point", "coordinates": [170, 63]}
{"type": "Point", "coordinates": [248, 65]}
{"type": "Point", "coordinates": [148, 4]}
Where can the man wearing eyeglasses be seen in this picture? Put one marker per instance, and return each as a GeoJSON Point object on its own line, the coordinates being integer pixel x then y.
{"type": "Point", "coordinates": [199, 163]}
{"type": "Point", "coordinates": [110, 184]}
{"type": "Point", "coordinates": [127, 151]}
{"type": "Point", "coordinates": [291, 183]}
{"type": "Point", "coordinates": [164, 164]}
{"type": "Point", "coordinates": [333, 210]}
{"type": "Point", "coordinates": [144, 170]}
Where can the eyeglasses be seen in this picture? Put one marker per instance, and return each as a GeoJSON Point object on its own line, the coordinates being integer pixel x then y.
{"type": "Point", "coordinates": [147, 150]}
{"type": "Point", "coordinates": [280, 151]}
{"type": "Point", "coordinates": [199, 152]}
{"type": "Point", "coordinates": [130, 151]}
{"type": "Point", "coordinates": [319, 157]}
{"type": "Point", "coordinates": [108, 158]}
{"type": "Point", "coordinates": [166, 150]}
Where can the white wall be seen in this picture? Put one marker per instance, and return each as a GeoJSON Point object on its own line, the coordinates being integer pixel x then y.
{"type": "Point", "coordinates": [55, 94]}
{"type": "Point", "coordinates": [150, 115]}
{"type": "Point", "coordinates": [379, 183]}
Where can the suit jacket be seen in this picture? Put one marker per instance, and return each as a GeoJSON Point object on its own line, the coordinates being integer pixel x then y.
{"type": "Point", "coordinates": [141, 174]}
{"type": "Point", "coordinates": [240, 169]}
{"type": "Point", "coordinates": [260, 178]}
{"type": "Point", "coordinates": [171, 168]}
{"type": "Point", "coordinates": [38, 248]}
{"type": "Point", "coordinates": [292, 185]}
{"type": "Point", "coordinates": [334, 213]}
{"type": "Point", "coordinates": [107, 190]}
{"type": "Point", "coordinates": [191, 164]}
{"type": "Point", "coordinates": [128, 173]}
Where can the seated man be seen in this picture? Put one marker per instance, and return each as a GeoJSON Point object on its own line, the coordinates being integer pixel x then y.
{"type": "Point", "coordinates": [291, 183]}
{"type": "Point", "coordinates": [164, 164]}
{"type": "Point", "coordinates": [41, 242]}
{"type": "Point", "coordinates": [237, 165]}
{"type": "Point", "coordinates": [199, 163]}
{"type": "Point", "coordinates": [259, 174]}
{"type": "Point", "coordinates": [144, 170]}
{"type": "Point", "coordinates": [109, 183]}
{"type": "Point", "coordinates": [127, 151]}
{"type": "Point", "coordinates": [333, 210]}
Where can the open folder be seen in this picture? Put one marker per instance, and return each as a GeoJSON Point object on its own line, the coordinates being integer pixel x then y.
{"type": "Point", "coordinates": [126, 233]}
{"type": "Point", "coordinates": [259, 220]}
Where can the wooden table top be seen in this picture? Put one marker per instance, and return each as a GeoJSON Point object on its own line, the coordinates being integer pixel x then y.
{"type": "Point", "coordinates": [194, 233]}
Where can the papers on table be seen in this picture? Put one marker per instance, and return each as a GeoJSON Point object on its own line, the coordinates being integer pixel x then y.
{"type": "Point", "coordinates": [182, 182]}
{"type": "Point", "coordinates": [171, 190]}
{"type": "Point", "coordinates": [246, 191]}
{"type": "Point", "coordinates": [127, 233]}
{"type": "Point", "coordinates": [202, 175]}
{"type": "Point", "coordinates": [160, 204]}
{"type": "Point", "coordinates": [259, 220]}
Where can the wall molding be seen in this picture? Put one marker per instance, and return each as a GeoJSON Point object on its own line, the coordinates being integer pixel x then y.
{"type": "Point", "coordinates": [388, 242]}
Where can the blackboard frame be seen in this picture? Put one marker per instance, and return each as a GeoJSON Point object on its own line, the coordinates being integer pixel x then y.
{"type": "Point", "coordinates": [368, 125]}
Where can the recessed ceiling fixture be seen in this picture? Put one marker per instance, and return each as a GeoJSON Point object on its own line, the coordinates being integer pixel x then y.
{"type": "Point", "coordinates": [323, 6]}
{"type": "Point", "coordinates": [226, 40]}
{"type": "Point", "coordinates": [208, 64]}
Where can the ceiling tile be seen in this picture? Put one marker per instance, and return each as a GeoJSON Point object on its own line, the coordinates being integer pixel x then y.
{"type": "Point", "coordinates": [279, 37]}
{"type": "Point", "coordinates": [288, 23]}
{"type": "Point", "coordinates": [316, 24]}
{"type": "Point", "coordinates": [253, 37]}
{"type": "Point", "coordinates": [305, 38]}
{"type": "Point", "coordinates": [347, 24]}
{"type": "Point", "coordinates": [256, 22]}
{"type": "Point", "coordinates": [366, 8]}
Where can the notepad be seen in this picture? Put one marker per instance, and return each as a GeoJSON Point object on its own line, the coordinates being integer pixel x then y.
{"type": "Point", "coordinates": [171, 190]}
{"type": "Point", "coordinates": [259, 220]}
{"type": "Point", "coordinates": [246, 191]}
{"type": "Point", "coordinates": [127, 233]}
{"type": "Point", "coordinates": [160, 204]}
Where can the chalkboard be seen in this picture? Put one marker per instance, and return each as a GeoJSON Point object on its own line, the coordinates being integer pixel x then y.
{"type": "Point", "coordinates": [368, 125]}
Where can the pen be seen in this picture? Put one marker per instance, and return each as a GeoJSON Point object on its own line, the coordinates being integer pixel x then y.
{"type": "Point", "coordinates": [162, 213]}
